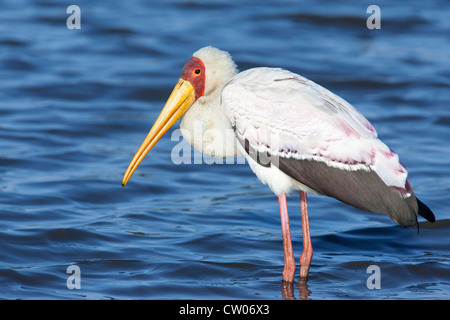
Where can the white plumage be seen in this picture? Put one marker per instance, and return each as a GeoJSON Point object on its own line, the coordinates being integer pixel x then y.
{"type": "Point", "coordinates": [290, 116]}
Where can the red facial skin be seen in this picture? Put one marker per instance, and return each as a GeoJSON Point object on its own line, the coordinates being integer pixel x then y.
{"type": "Point", "coordinates": [194, 72]}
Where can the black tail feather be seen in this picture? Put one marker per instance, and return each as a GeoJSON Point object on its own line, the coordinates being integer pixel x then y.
{"type": "Point", "coordinates": [425, 212]}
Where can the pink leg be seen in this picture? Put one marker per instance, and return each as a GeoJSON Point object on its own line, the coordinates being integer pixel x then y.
{"type": "Point", "coordinates": [306, 257]}
{"type": "Point", "coordinates": [289, 262]}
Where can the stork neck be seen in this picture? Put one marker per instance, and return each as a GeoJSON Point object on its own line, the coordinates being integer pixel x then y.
{"type": "Point", "coordinates": [205, 127]}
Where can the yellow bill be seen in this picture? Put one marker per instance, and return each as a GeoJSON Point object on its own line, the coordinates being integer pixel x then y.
{"type": "Point", "coordinates": [181, 98]}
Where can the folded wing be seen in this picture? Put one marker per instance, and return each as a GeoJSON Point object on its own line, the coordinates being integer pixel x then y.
{"type": "Point", "coordinates": [318, 139]}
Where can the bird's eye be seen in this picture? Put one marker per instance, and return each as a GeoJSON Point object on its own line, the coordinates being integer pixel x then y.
{"type": "Point", "coordinates": [197, 71]}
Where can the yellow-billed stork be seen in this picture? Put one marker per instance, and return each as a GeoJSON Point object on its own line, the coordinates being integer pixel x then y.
{"type": "Point", "coordinates": [295, 135]}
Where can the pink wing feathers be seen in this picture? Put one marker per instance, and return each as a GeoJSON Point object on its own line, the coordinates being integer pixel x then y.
{"type": "Point", "coordinates": [289, 116]}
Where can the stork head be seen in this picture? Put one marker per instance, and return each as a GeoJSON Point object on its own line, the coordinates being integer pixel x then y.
{"type": "Point", "coordinates": [202, 79]}
{"type": "Point", "coordinates": [219, 69]}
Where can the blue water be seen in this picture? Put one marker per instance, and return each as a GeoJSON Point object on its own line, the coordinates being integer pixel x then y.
{"type": "Point", "coordinates": [76, 104]}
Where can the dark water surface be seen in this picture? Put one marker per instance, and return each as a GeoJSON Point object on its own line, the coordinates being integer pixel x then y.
{"type": "Point", "coordinates": [76, 104]}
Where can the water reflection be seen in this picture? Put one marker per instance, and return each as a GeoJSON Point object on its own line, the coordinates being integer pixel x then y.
{"type": "Point", "coordinates": [287, 290]}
